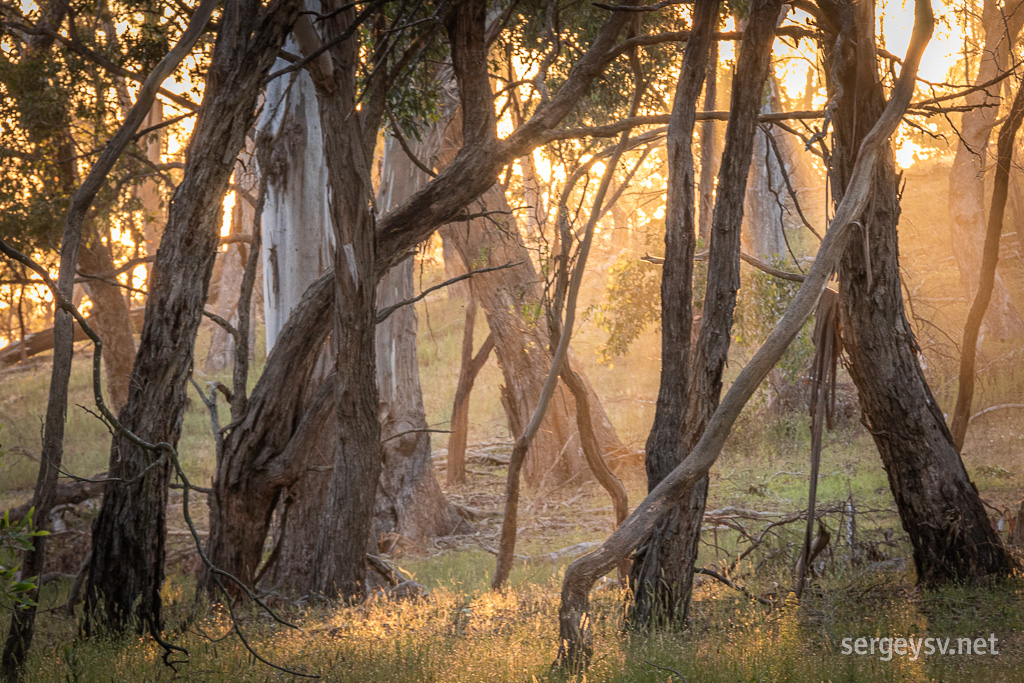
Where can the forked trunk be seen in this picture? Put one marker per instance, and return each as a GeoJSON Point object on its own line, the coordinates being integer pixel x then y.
{"type": "Point", "coordinates": [663, 574]}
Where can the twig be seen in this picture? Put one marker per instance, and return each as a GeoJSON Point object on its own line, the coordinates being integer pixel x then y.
{"type": "Point", "coordinates": [383, 314]}
{"type": "Point", "coordinates": [732, 584]}
{"type": "Point", "coordinates": [666, 668]}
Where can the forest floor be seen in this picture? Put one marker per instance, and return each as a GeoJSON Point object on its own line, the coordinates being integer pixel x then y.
{"type": "Point", "coordinates": [462, 631]}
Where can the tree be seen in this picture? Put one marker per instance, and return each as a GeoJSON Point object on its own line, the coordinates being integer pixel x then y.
{"type": "Point", "coordinates": [20, 636]}
{"type": "Point", "coordinates": [574, 625]}
{"type": "Point", "coordinates": [938, 504]}
{"type": "Point", "coordinates": [126, 569]}
{"type": "Point", "coordinates": [1001, 24]}
{"type": "Point", "coordinates": [663, 572]}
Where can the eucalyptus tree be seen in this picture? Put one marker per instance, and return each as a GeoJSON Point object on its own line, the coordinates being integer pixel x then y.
{"type": "Point", "coordinates": [127, 564]}
{"type": "Point", "coordinates": [691, 379]}
{"type": "Point", "coordinates": [1001, 24]}
{"type": "Point", "coordinates": [937, 502]}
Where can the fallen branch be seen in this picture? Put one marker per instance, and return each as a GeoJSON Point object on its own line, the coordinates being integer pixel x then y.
{"type": "Point", "coordinates": [67, 493]}
{"type": "Point", "coordinates": [992, 409]}
{"type": "Point", "coordinates": [43, 341]}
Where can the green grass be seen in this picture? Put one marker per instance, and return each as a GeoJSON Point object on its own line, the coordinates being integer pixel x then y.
{"type": "Point", "coordinates": [464, 632]}
{"type": "Point", "coordinates": [457, 634]}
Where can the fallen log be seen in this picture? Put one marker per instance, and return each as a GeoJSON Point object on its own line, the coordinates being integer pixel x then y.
{"type": "Point", "coordinates": [68, 493]}
{"type": "Point", "coordinates": [42, 341]}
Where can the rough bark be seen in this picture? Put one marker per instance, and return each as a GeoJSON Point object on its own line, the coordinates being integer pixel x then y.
{"type": "Point", "coordinates": [346, 520]}
{"type": "Point", "coordinates": [19, 637]}
{"type": "Point", "coordinates": [470, 366]}
{"type": "Point", "coordinates": [708, 148]}
{"type": "Point", "coordinates": [274, 444]}
{"type": "Point", "coordinates": [938, 504]}
{"type": "Point", "coordinates": [1001, 24]}
{"type": "Point", "coordinates": [111, 319]}
{"type": "Point", "coordinates": [664, 448]}
{"type": "Point", "coordinates": [261, 437]}
{"type": "Point", "coordinates": [664, 586]}
{"type": "Point", "coordinates": [574, 623]}
{"type": "Point", "coordinates": [127, 570]}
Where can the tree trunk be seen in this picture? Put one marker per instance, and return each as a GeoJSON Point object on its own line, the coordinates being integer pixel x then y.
{"type": "Point", "coordinates": [148, 192]}
{"type": "Point", "coordinates": [764, 203]}
{"type": "Point", "coordinates": [233, 259]}
{"type": "Point", "coordinates": [296, 228]}
{"type": "Point", "coordinates": [663, 579]}
{"type": "Point", "coordinates": [126, 571]}
{"type": "Point", "coordinates": [967, 207]}
{"type": "Point", "coordinates": [986, 279]}
{"type": "Point", "coordinates": [111, 319]}
{"type": "Point", "coordinates": [296, 250]}
{"type": "Point", "coordinates": [274, 445]}
{"type": "Point", "coordinates": [409, 501]}
{"type": "Point", "coordinates": [339, 566]}
{"type": "Point", "coordinates": [511, 299]}
{"type": "Point", "coordinates": [938, 505]}
{"type": "Point", "coordinates": [708, 148]}
{"type": "Point", "coordinates": [469, 367]}
{"type": "Point", "coordinates": [573, 615]}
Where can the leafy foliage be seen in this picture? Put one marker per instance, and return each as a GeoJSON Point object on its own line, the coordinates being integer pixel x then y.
{"type": "Point", "coordinates": [634, 303]}
{"type": "Point", "coordinates": [16, 537]}
{"type": "Point", "coordinates": [760, 304]}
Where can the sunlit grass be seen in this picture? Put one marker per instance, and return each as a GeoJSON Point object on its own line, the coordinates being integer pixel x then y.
{"type": "Point", "coordinates": [479, 635]}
